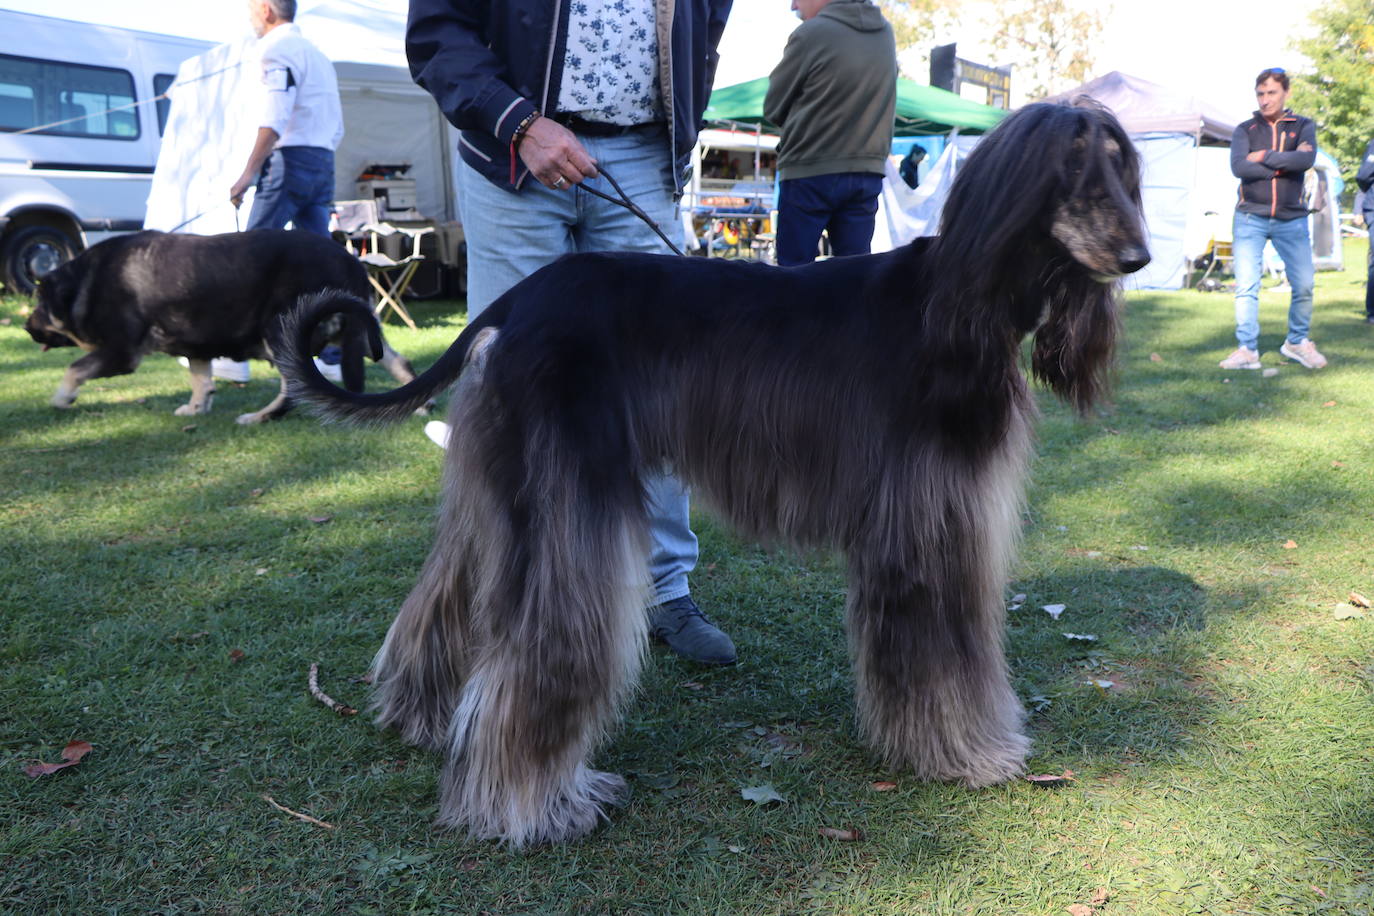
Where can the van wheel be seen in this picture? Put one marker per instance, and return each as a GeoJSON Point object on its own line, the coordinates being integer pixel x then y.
{"type": "Point", "coordinates": [32, 252]}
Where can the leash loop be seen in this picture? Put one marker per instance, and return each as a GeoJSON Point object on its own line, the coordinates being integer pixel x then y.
{"type": "Point", "coordinates": [624, 201]}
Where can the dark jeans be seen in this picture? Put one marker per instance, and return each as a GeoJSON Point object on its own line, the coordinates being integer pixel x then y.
{"type": "Point", "coordinates": [296, 186]}
{"type": "Point", "coordinates": [1369, 279]}
{"type": "Point", "coordinates": [843, 204]}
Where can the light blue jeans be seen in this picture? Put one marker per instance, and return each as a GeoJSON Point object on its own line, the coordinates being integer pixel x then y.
{"type": "Point", "coordinates": [1249, 233]}
{"type": "Point", "coordinates": [510, 235]}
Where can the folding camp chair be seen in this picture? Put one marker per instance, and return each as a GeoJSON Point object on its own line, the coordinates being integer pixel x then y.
{"type": "Point", "coordinates": [391, 277]}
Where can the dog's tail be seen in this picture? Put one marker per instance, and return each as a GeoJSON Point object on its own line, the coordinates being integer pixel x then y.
{"type": "Point", "coordinates": [307, 385]}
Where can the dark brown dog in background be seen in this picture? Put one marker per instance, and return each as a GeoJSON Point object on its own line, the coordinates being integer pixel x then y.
{"type": "Point", "coordinates": [197, 296]}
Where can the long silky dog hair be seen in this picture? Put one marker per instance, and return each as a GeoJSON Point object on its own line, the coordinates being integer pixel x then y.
{"type": "Point", "coordinates": [874, 404]}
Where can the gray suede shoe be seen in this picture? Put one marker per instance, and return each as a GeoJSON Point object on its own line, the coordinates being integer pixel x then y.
{"type": "Point", "coordinates": [685, 629]}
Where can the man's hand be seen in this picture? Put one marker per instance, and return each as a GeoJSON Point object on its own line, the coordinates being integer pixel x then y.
{"type": "Point", "coordinates": [1256, 156]}
{"type": "Point", "coordinates": [239, 189]}
{"type": "Point", "coordinates": [554, 155]}
{"type": "Point", "coordinates": [1305, 147]}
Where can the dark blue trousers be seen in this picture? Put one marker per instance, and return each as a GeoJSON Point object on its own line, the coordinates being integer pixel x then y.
{"type": "Point", "coordinates": [296, 186]}
{"type": "Point", "coordinates": [843, 204]}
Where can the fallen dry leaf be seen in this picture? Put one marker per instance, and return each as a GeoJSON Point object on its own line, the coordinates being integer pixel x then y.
{"type": "Point", "coordinates": [1290, 545]}
{"type": "Point", "coordinates": [1156, 358]}
{"type": "Point", "coordinates": [321, 519]}
{"type": "Point", "coordinates": [1349, 612]}
{"type": "Point", "coordinates": [235, 655]}
{"type": "Point", "coordinates": [1338, 464]}
{"type": "Point", "coordinates": [1081, 637]}
{"type": "Point", "coordinates": [189, 428]}
{"type": "Point", "coordinates": [1054, 610]}
{"type": "Point", "coordinates": [1050, 780]}
{"type": "Point", "coordinates": [1079, 909]}
{"type": "Point", "coordinates": [1359, 600]}
{"type": "Point", "coordinates": [1100, 896]}
{"type": "Point", "coordinates": [835, 833]}
{"type": "Point", "coordinates": [71, 756]}
{"type": "Point", "coordinates": [256, 491]}
{"type": "Point", "coordinates": [692, 685]}
{"type": "Point", "coordinates": [883, 786]}
{"type": "Point", "coordinates": [1329, 404]}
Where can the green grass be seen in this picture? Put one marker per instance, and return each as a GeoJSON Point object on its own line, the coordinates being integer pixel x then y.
{"type": "Point", "coordinates": [1230, 769]}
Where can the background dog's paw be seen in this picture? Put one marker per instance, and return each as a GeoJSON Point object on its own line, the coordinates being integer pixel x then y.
{"type": "Point", "coordinates": [249, 419]}
{"type": "Point", "coordinates": [188, 410]}
{"type": "Point", "coordinates": [62, 402]}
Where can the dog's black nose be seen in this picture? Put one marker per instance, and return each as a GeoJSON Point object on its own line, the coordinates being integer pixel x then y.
{"type": "Point", "coordinates": [1132, 259]}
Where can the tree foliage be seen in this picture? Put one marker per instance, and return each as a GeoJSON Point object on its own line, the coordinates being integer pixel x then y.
{"type": "Point", "coordinates": [915, 22]}
{"type": "Point", "coordinates": [1048, 43]}
{"type": "Point", "coordinates": [1339, 93]}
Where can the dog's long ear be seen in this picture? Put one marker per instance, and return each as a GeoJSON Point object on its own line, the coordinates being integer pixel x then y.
{"type": "Point", "coordinates": [1075, 344]}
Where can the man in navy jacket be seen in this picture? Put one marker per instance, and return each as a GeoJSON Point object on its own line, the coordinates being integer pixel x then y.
{"type": "Point", "coordinates": [1365, 179]}
{"type": "Point", "coordinates": [543, 91]}
{"type": "Point", "coordinates": [1270, 153]}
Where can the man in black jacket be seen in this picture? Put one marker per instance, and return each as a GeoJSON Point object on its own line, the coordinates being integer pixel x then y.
{"type": "Point", "coordinates": [1269, 154]}
{"type": "Point", "coordinates": [1365, 179]}
{"type": "Point", "coordinates": [543, 92]}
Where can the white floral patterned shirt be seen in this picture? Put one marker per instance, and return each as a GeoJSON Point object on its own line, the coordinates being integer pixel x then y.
{"type": "Point", "coordinates": [610, 68]}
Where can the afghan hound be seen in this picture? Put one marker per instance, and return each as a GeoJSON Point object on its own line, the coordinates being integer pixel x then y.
{"type": "Point", "coordinates": [875, 404]}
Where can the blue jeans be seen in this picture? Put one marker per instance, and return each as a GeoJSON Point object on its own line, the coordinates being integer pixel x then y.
{"type": "Point", "coordinates": [845, 204]}
{"type": "Point", "coordinates": [1249, 233]}
{"type": "Point", "coordinates": [510, 235]}
{"type": "Point", "coordinates": [296, 186]}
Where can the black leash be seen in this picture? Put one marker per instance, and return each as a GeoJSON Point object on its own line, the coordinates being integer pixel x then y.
{"type": "Point", "coordinates": [624, 201]}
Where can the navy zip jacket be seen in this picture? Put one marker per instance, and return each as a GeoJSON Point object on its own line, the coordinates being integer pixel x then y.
{"type": "Point", "coordinates": [490, 63]}
{"type": "Point", "coordinates": [1273, 186]}
{"type": "Point", "coordinates": [1365, 179]}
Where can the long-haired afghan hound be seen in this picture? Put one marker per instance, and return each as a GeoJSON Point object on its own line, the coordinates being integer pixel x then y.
{"type": "Point", "coordinates": [875, 404]}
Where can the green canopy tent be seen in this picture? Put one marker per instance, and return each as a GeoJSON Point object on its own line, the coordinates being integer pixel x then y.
{"type": "Point", "coordinates": [922, 111]}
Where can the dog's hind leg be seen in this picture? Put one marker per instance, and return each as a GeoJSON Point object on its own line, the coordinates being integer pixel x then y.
{"type": "Point", "coordinates": [275, 409]}
{"type": "Point", "coordinates": [202, 389]}
{"type": "Point", "coordinates": [559, 636]}
{"type": "Point", "coordinates": [926, 618]}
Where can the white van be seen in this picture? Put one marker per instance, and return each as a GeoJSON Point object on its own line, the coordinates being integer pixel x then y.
{"type": "Point", "coordinates": [84, 173]}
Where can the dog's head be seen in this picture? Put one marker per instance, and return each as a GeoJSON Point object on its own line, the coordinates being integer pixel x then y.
{"type": "Point", "coordinates": [1047, 215]}
{"type": "Point", "coordinates": [50, 323]}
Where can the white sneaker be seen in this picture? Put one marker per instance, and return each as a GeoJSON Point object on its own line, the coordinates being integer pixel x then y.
{"type": "Point", "coordinates": [222, 368]}
{"type": "Point", "coordinates": [1241, 358]}
{"type": "Point", "coordinates": [1305, 353]}
{"type": "Point", "coordinates": [437, 430]}
{"type": "Point", "coordinates": [230, 370]}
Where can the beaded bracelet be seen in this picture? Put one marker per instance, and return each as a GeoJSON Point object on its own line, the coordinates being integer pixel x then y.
{"type": "Point", "coordinates": [524, 126]}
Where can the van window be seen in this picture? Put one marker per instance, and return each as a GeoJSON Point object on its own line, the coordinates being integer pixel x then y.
{"type": "Point", "coordinates": [35, 92]}
{"type": "Point", "coordinates": [161, 81]}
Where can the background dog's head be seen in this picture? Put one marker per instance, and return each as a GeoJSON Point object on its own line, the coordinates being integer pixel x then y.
{"type": "Point", "coordinates": [1047, 215]}
{"type": "Point", "coordinates": [55, 303]}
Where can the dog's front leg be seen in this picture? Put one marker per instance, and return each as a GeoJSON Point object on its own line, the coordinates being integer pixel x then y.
{"type": "Point", "coordinates": [96, 364]}
{"type": "Point", "coordinates": [202, 389]}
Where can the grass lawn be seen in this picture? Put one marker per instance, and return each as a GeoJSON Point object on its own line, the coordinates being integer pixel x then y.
{"type": "Point", "coordinates": [166, 583]}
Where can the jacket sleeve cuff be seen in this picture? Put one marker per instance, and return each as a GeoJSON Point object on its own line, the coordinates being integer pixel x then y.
{"type": "Point", "coordinates": [504, 113]}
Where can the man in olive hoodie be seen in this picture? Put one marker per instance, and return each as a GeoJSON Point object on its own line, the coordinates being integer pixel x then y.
{"type": "Point", "coordinates": [833, 95]}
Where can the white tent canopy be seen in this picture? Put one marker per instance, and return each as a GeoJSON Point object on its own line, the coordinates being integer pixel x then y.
{"type": "Point", "coordinates": [387, 120]}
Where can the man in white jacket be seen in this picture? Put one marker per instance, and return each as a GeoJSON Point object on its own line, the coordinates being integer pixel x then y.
{"type": "Point", "coordinates": [292, 162]}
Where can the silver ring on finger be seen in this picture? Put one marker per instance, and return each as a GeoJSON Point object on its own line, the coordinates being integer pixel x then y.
{"type": "Point", "coordinates": [559, 181]}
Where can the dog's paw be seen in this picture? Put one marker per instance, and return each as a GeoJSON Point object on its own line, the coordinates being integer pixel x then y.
{"type": "Point", "coordinates": [189, 410]}
{"type": "Point", "coordinates": [250, 419]}
{"type": "Point", "coordinates": [63, 402]}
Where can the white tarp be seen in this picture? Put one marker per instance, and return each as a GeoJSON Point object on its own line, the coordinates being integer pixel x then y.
{"type": "Point", "coordinates": [1166, 186]}
{"type": "Point", "coordinates": [388, 120]}
{"type": "Point", "coordinates": [905, 213]}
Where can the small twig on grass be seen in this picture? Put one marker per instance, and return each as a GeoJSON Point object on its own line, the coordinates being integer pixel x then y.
{"type": "Point", "coordinates": [296, 814]}
{"type": "Point", "coordinates": [315, 691]}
